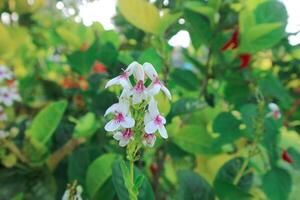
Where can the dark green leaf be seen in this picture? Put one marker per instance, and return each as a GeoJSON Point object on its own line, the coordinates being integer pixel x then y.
{"type": "Point", "coordinates": [194, 187]}
{"type": "Point", "coordinates": [277, 184]}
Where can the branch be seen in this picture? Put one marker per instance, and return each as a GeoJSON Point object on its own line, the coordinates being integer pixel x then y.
{"type": "Point", "coordinates": [63, 152]}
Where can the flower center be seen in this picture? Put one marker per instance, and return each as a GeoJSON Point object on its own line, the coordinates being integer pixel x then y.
{"type": "Point", "coordinates": [139, 88]}
{"type": "Point", "coordinates": [158, 120]}
{"type": "Point", "coordinates": [127, 133]}
{"type": "Point", "coordinates": [119, 117]}
{"type": "Point", "coordinates": [276, 114]}
{"type": "Point", "coordinates": [148, 138]}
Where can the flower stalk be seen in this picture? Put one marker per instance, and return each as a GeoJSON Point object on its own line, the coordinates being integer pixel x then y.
{"type": "Point", "coordinates": [136, 118]}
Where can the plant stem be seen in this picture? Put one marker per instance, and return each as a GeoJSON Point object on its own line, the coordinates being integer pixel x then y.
{"type": "Point", "coordinates": [241, 171]}
{"type": "Point", "coordinates": [15, 150]}
{"type": "Point", "coordinates": [63, 152]}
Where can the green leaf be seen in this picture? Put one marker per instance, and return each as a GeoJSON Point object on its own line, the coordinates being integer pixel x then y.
{"type": "Point", "coordinates": [186, 79]}
{"type": "Point", "coordinates": [228, 191]}
{"type": "Point", "coordinates": [110, 37]}
{"type": "Point", "coordinates": [193, 139]}
{"type": "Point", "coordinates": [295, 155]}
{"type": "Point", "coordinates": [146, 16]}
{"type": "Point", "coordinates": [260, 30]}
{"type": "Point", "coordinates": [46, 121]}
{"type": "Point", "coordinates": [271, 86]}
{"type": "Point", "coordinates": [151, 55]}
{"type": "Point", "coordinates": [98, 172]}
{"type": "Point", "coordinates": [185, 106]}
{"type": "Point", "coordinates": [227, 126]}
{"type": "Point", "coordinates": [86, 126]}
{"type": "Point", "coordinates": [277, 184]}
{"type": "Point", "coordinates": [223, 183]}
{"type": "Point", "coordinates": [229, 171]}
{"type": "Point", "coordinates": [194, 187]}
{"type": "Point", "coordinates": [199, 27]}
{"type": "Point", "coordinates": [198, 7]}
{"type": "Point", "coordinates": [145, 191]}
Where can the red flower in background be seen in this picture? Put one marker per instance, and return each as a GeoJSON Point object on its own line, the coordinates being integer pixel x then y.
{"type": "Point", "coordinates": [286, 157]}
{"type": "Point", "coordinates": [99, 68]}
{"type": "Point", "coordinates": [69, 83]}
{"type": "Point", "coordinates": [83, 84]}
{"type": "Point", "coordinates": [245, 60]}
{"type": "Point", "coordinates": [233, 43]}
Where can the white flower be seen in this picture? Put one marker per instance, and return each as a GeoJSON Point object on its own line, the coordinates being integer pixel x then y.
{"type": "Point", "coordinates": [154, 121]}
{"type": "Point", "coordinates": [139, 92]}
{"type": "Point", "coordinates": [5, 73]}
{"type": "Point", "coordinates": [122, 117]}
{"type": "Point", "coordinates": [123, 79]}
{"type": "Point", "coordinates": [3, 116]}
{"type": "Point", "coordinates": [3, 134]}
{"type": "Point", "coordinates": [77, 196]}
{"type": "Point", "coordinates": [275, 111]}
{"type": "Point", "coordinates": [149, 140]}
{"type": "Point", "coordinates": [9, 95]}
{"type": "Point", "coordinates": [156, 84]}
{"type": "Point", "coordinates": [124, 137]}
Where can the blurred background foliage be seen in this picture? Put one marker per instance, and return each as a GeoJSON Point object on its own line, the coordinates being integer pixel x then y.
{"type": "Point", "coordinates": [62, 65]}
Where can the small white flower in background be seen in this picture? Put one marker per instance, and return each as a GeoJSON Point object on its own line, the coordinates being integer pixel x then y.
{"type": "Point", "coordinates": [122, 117]}
{"type": "Point", "coordinates": [3, 116]}
{"type": "Point", "coordinates": [8, 96]}
{"type": "Point", "coordinates": [3, 134]}
{"type": "Point", "coordinates": [149, 140]}
{"type": "Point", "coordinates": [73, 193]}
{"type": "Point", "coordinates": [5, 73]}
{"type": "Point", "coordinates": [137, 99]}
{"type": "Point", "coordinates": [275, 111]}
{"type": "Point", "coordinates": [124, 137]}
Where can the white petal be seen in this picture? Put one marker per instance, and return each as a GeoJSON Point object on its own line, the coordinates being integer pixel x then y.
{"type": "Point", "coordinates": [128, 122]}
{"type": "Point", "coordinates": [154, 89]}
{"type": "Point", "coordinates": [273, 106]}
{"type": "Point", "coordinates": [112, 126]}
{"type": "Point", "coordinates": [150, 71]}
{"type": "Point", "coordinates": [118, 135]}
{"type": "Point", "coordinates": [126, 93]}
{"type": "Point", "coordinates": [131, 67]}
{"type": "Point", "coordinates": [153, 108]}
{"type": "Point", "coordinates": [147, 118]}
{"type": "Point", "coordinates": [113, 81]}
{"type": "Point", "coordinates": [151, 127]}
{"type": "Point", "coordinates": [111, 109]}
{"type": "Point", "coordinates": [123, 142]}
{"type": "Point", "coordinates": [166, 91]}
{"type": "Point", "coordinates": [163, 120]}
{"type": "Point", "coordinates": [139, 73]}
{"type": "Point", "coordinates": [163, 132]}
{"type": "Point", "coordinates": [123, 107]}
{"type": "Point", "coordinates": [125, 83]}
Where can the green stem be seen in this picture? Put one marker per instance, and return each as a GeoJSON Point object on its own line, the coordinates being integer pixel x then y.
{"type": "Point", "coordinates": [241, 171]}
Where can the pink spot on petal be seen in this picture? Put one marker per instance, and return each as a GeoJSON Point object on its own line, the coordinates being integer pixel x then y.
{"type": "Point", "coordinates": [119, 117]}
{"type": "Point", "coordinates": [158, 120]}
{"type": "Point", "coordinates": [139, 88]}
{"type": "Point", "coordinates": [127, 133]}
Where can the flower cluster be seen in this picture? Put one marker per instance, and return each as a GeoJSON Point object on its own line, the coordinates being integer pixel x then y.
{"type": "Point", "coordinates": [136, 115]}
{"type": "Point", "coordinates": [274, 111]}
{"type": "Point", "coordinates": [8, 90]}
{"type": "Point", "coordinates": [73, 192]}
